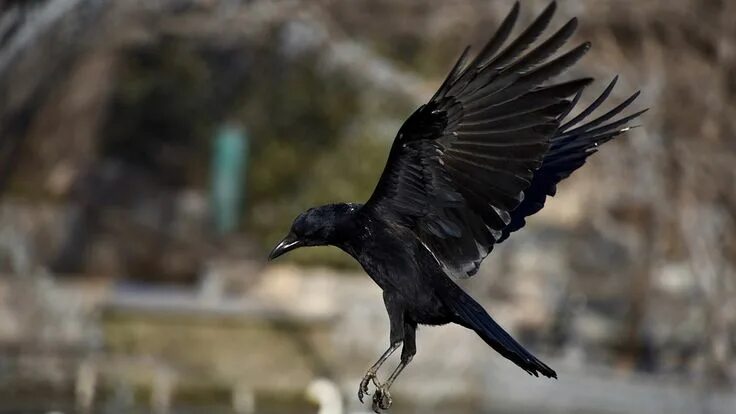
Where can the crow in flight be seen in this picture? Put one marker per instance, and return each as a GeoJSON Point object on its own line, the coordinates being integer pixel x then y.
{"type": "Point", "coordinates": [464, 172]}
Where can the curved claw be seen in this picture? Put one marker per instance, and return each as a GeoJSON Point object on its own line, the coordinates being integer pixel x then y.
{"type": "Point", "coordinates": [363, 388]}
{"type": "Point", "coordinates": [381, 399]}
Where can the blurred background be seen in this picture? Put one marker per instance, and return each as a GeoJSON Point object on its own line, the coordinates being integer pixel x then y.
{"type": "Point", "coordinates": [151, 152]}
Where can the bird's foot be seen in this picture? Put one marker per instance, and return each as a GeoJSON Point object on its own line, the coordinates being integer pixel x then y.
{"type": "Point", "coordinates": [370, 376]}
{"type": "Point", "coordinates": [381, 399]}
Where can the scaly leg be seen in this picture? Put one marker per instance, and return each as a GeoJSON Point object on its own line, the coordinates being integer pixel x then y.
{"type": "Point", "coordinates": [382, 397]}
{"type": "Point", "coordinates": [370, 375]}
{"type": "Point", "coordinates": [396, 322]}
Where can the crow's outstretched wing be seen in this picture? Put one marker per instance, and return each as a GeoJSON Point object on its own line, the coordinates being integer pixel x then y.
{"type": "Point", "coordinates": [460, 165]}
{"type": "Point", "coordinates": [571, 145]}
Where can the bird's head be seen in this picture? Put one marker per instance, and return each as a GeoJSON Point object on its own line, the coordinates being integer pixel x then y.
{"type": "Point", "coordinates": [317, 226]}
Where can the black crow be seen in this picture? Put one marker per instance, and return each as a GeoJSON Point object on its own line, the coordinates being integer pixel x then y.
{"type": "Point", "coordinates": [464, 172]}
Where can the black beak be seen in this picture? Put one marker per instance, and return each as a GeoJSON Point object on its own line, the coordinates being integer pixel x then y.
{"type": "Point", "coordinates": [289, 243]}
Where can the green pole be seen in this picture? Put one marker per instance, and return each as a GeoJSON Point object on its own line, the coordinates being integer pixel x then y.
{"type": "Point", "coordinates": [230, 155]}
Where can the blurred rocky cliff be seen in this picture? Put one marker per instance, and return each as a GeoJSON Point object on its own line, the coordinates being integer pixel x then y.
{"type": "Point", "coordinates": [108, 113]}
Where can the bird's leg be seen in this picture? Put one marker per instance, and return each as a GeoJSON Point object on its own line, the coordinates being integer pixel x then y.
{"type": "Point", "coordinates": [396, 322]}
{"type": "Point", "coordinates": [370, 375]}
{"type": "Point", "coordinates": [382, 397]}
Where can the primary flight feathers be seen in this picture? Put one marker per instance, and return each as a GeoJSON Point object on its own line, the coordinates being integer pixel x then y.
{"type": "Point", "coordinates": [467, 167]}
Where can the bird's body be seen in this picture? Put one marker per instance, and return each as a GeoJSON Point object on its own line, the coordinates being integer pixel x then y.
{"type": "Point", "coordinates": [402, 268]}
{"type": "Point", "coordinates": [464, 172]}
{"type": "Point", "coordinates": [389, 254]}
{"type": "Point", "coordinates": [416, 289]}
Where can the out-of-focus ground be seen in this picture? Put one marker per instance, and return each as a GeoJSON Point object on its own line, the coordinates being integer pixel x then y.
{"type": "Point", "coordinates": [132, 243]}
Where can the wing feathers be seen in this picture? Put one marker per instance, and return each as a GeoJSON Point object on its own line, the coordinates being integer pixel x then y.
{"type": "Point", "coordinates": [498, 39]}
{"type": "Point", "coordinates": [459, 65]}
{"type": "Point", "coordinates": [608, 115]}
{"type": "Point", "coordinates": [526, 38]}
{"type": "Point", "coordinates": [525, 82]}
{"type": "Point", "coordinates": [569, 150]}
{"type": "Point", "coordinates": [514, 122]}
{"type": "Point", "coordinates": [592, 107]}
{"type": "Point", "coordinates": [468, 167]}
{"type": "Point", "coordinates": [545, 50]}
{"type": "Point", "coordinates": [537, 99]}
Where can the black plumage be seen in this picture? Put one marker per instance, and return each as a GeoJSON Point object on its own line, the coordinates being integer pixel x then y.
{"type": "Point", "coordinates": [463, 173]}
